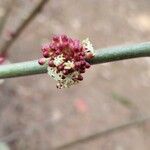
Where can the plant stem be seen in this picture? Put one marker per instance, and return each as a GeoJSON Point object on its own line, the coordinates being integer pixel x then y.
{"type": "Point", "coordinates": [7, 44]}
{"type": "Point", "coordinates": [101, 56]}
{"type": "Point", "coordinates": [121, 52]}
{"type": "Point", "coordinates": [21, 69]}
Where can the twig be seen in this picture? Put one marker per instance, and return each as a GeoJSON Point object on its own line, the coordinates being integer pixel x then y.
{"type": "Point", "coordinates": [117, 128]}
{"type": "Point", "coordinates": [21, 69]}
{"type": "Point", "coordinates": [102, 56]}
{"type": "Point", "coordinates": [105, 132]}
{"type": "Point", "coordinates": [22, 26]}
{"type": "Point", "coordinates": [5, 16]}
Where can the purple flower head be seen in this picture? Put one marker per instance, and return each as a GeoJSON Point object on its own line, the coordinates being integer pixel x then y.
{"type": "Point", "coordinates": [66, 59]}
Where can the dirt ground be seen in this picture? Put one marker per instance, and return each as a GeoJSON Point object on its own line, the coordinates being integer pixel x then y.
{"type": "Point", "coordinates": [110, 94]}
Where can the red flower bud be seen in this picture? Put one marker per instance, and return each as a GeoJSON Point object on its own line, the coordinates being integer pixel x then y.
{"type": "Point", "coordinates": [51, 63]}
{"type": "Point", "coordinates": [89, 55]}
{"type": "Point", "coordinates": [42, 61]}
{"type": "Point", "coordinates": [46, 54]}
{"type": "Point", "coordinates": [80, 77]}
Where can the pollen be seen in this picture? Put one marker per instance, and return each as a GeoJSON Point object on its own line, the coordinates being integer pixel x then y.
{"type": "Point", "coordinates": [88, 45]}
{"type": "Point", "coordinates": [58, 60]}
{"type": "Point", "coordinates": [69, 65]}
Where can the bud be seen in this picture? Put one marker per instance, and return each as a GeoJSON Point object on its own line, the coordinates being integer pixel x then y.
{"type": "Point", "coordinates": [42, 61]}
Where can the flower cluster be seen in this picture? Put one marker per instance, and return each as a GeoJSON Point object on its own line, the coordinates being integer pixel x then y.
{"type": "Point", "coordinates": [66, 59]}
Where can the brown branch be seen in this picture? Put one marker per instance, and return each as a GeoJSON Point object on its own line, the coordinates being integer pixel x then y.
{"type": "Point", "coordinates": [7, 44]}
{"type": "Point", "coordinates": [6, 15]}
{"type": "Point", "coordinates": [105, 132]}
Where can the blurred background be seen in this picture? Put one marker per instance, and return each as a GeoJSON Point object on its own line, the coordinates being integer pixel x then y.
{"type": "Point", "coordinates": [34, 115]}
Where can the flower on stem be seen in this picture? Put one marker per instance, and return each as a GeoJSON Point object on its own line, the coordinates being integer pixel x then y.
{"type": "Point", "coordinates": [66, 59]}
